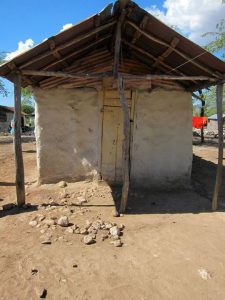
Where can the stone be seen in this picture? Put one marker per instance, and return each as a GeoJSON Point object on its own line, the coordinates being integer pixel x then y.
{"type": "Point", "coordinates": [104, 236]}
{"type": "Point", "coordinates": [115, 237]}
{"type": "Point", "coordinates": [93, 235]}
{"type": "Point", "coordinates": [41, 292]}
{"type": "Point", "coordinates": [121, 226]}
{"type": "Point", "coordinates": [108, 225]}
{"type": "Point", "coordinates": [75, 266]}
{"type": "Point", "coordinates": [81, 200]}
{"type": "Point", "coordinates": [63, 221]}
{"type": "Point", "coordinates": [41, 218]}
{"type": "Point", "coordinates": [42, 231]}
{"type": "Point", "coordinates": [8, 206]}
{"type": "Point", "coordinates": [88, 240]}
{"type": "Point", "coordinates": [117, 243]}
{"type": "Point", "coordinates": [115, 231]}
{"type": "Point", "coordinates": [69, 230]}
{"type": "Point", "coordinates": [62, 184]}
{"type": "Point", "coordinates": [33, 223]}
{"type": "Point", "coordinates": [116, 214]}
{"type": "Point", "coordinates": [34, 271]}
{"type": "Point", "coordinates": [77, 231]}
{"type": "Point", "coordinates": [45, 239]}
{"type": "Point", "coordinates": [83, 230]}
{"type": "Point", "coordinates": [49, 222]}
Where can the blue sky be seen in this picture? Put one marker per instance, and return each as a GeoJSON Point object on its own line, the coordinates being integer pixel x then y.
{"type": "Point", "coordinates": [36, 20]}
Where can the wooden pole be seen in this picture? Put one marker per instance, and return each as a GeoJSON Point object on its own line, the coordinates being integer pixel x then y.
{"type": "Point", "coordinates": [20, 188]}
{"type": "Point", "coordinates": [126, 146]}
{"type": "Point", "coordinates": [218, 183]}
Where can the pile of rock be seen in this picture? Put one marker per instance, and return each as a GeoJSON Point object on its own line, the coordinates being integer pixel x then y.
{"type": "Point", "coordinates": [92, 231]}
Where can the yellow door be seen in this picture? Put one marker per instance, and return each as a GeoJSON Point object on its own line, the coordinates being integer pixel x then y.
{"type": "Point", "coordinates": [112, 144]}
{"type": "Point", "coordinates": [112, 139]}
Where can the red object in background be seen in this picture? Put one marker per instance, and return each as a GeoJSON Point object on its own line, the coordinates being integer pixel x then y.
{"type": "Point", "coordinates": [199, 122]}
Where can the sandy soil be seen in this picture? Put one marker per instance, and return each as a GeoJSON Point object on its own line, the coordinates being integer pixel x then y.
{"type": "Point", "coordinates": [173, 245]}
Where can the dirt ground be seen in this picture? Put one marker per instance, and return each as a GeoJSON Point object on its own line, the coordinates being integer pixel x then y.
{"type": "Point", "coordinates": [173, 245]}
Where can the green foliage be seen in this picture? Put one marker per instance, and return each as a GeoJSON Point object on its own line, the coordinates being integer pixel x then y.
{"type": "Point", "coordinates": [218, 44]}
{"type": "Point", "coordinates": [27, 109]}
{"type": "Point", "coordinates": [27, 103]}
{"type": "Point", "coordinates": [3, 90]}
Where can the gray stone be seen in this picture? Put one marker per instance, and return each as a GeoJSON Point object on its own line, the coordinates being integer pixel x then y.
{"type": "Point", "coordinates": [63, 221]}
{"type": "Point", "coordinates": [88, 240]}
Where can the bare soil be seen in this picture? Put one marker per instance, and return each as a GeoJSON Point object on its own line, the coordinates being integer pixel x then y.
{"type": "Point", "coordinates": [173, 245]}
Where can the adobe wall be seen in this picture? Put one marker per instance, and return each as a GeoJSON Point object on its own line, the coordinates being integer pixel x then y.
{"type": "Point", "coordinates": [162, 140]}
{"type": "Point", "coordinates": [66, 134]}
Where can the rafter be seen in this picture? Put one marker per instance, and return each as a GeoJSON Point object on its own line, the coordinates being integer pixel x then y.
{"type": "Point", "coordinates": [186, 57]}
{"type": "Point", "coordinates": [165, 54]}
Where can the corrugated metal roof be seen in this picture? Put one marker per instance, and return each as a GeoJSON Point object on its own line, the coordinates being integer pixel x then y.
{"type": "Point", "coordinates": [66, 51]}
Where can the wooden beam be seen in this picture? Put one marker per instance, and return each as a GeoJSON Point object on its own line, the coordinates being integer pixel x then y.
{"type": "Point", "coordinates": [56, 53]}
{"type": "Point", "coordinates": [186, 57]}
{"type": "Point", "coordinates": [126, 146]}
{"type": "Point", "coordinates": [20, 188]}
{"type": "Point", "coordinates": [67, 44]}
{"type": "Point", "coordinates": [142, 25]}
{"type": "Point", "coordinates": [60, 74]}
{"type": "Point", "coordinates": [218, 183]}
{"type": "Point", "coordinates": [118, 43]}
{"type": "Point", "coordinates": [170, 49]}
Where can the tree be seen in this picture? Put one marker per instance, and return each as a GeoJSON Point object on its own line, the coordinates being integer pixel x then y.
{"type": "Point", "coordinates": [3, 90]}
{"type": "Point", "coordinates": [218, 44]}
{"type": "Point", "coordinates": [215, 46]}
{"type": "Point", "coordinates": [27, 103]}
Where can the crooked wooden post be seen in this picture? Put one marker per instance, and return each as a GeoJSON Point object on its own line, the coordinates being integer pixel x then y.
{"type": "Point", "coordinates": [124, 105]}
{"type": "Point", "coordinates": [218, 183]}
{"type": "Point", "coordinates": [126, 146]}
{"type": "Point", "coordinates": [20, 188]}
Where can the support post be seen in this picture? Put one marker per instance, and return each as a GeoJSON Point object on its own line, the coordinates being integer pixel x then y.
{"type": "Point", "coordinates": [126, 146]}
{"type": "Point", "coordinates": [218, 183]}
{"type": "Point", "coordinates": [20, 188]}
{"type": "Point", "coordinates": [202, 115]}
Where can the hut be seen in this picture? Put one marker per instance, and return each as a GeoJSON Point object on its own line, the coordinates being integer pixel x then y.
{"type": "Point", "coordinates": [6, 118]}
{"type": "Point", "coordinates": [212, 124]}
{"type": "Point", "coordinates": [117, 89]}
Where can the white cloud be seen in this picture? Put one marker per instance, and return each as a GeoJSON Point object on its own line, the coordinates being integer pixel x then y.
{"type": "Point", "coordinates": [66, 26]}
{"type": "Point", "coordinates": [22, 47]}
{"type": "Point", "coordinates": [193, 18]}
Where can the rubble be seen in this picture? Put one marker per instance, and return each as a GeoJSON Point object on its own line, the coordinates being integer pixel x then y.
{"type": "Point", "coordinates": [46, 239]}
{"type": "Point", "coordinates": [33, 223]}
{"type": "Point", "coordinates": [115, 231]}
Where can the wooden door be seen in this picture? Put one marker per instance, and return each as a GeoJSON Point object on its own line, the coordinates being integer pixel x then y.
{"type": "Point", "coordinates": [112, 138]}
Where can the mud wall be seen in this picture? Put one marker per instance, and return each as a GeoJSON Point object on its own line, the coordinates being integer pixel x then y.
{"type": "Point", "coordinates": [66, 134]}
{"type": "Point", "coordinates": [162, 139]}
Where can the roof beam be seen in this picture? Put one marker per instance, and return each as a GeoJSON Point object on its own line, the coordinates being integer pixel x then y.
{"type": "Point", "coordinates": [170, 49]}
{"type": "Point", "coordinates": [118, 43]}
{"type": "Point", "coordinates": [56, 53]}
{"type": "Point", "coordinates": [142, 25]}
{"type": "Point", "coordinates": [186, 57]}
{"type": "Point", "coordinates": [67, 44]}
{"type": "Point", "coordinates": [103, 75]}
